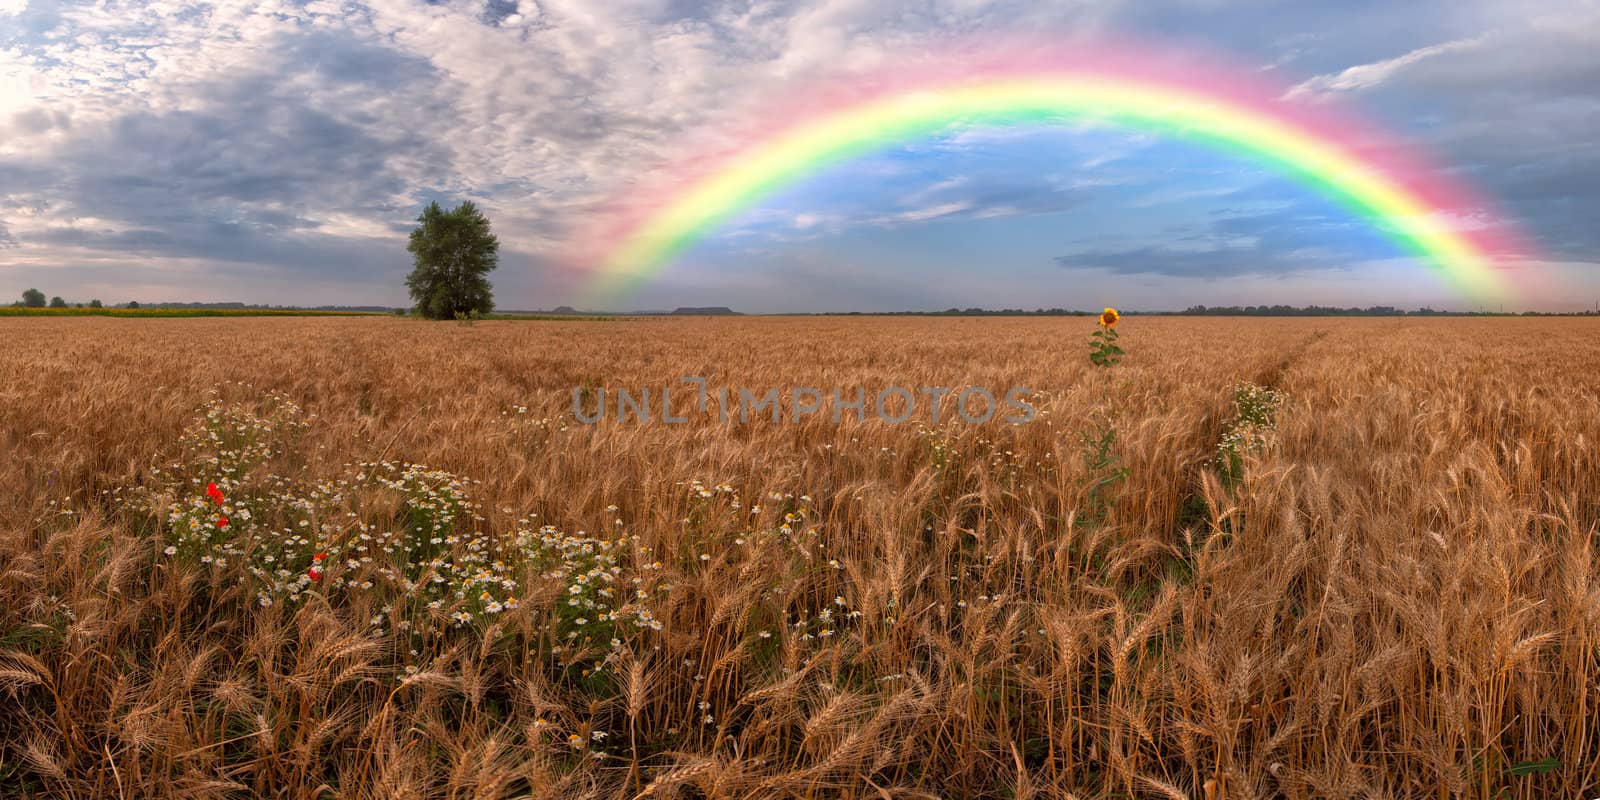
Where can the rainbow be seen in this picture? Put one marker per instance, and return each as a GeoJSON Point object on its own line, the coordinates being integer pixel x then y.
{"type": "Point", "coordinates": [1373, 178]}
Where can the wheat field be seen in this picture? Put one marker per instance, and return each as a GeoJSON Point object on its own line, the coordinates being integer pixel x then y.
{"type": "Point", "coordinates": [382, 558]}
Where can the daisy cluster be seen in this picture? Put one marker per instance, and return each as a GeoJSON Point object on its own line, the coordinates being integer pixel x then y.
{"type": "Point", "coordinates": [435, 559]}
{"type": "Point", "coordinates": [602, 586]}
{"type": "Point", "coordinates": [826, 622]}
{"type": "Point", "coordinates": [405, 539]}
{"type": "Point", "coordinates": [1255, 411]}
{"type": "Point", "coordinates": [940, 443]}
{"type": "Point", "coordinates": [235, 439]}
{"type": "Point", "coordinates": [225, 444]}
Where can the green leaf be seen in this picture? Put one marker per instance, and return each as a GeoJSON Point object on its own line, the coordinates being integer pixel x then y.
{"type": "Point", "coordinates": [1534, 767]}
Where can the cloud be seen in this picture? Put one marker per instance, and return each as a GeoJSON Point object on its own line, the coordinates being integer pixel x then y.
{"type": "Point", "coordinates": [242, 140]}
{"type": "Point", "coordinates": [265, 131]}
{"type": "Point", "coordinates": [1208, 262]}
{"type": "Point", "coordinates": [251, 168]}
{"type": "Point", "coordinates": [1512, 112]}
{"type": "Point", "coordinates": [930, 212]}
{"type": "Point", "coordinates": [984, 196]}
{"type": "Point", "coordinates": [1278, 242]}
{"type": "Point", "coordinates": [1366, 76]}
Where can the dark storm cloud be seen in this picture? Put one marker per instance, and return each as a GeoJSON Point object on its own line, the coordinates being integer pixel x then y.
{"type": "Point", "coordinates": [293, 254]}
{"type": "Point", "coordinates": [241, 179]}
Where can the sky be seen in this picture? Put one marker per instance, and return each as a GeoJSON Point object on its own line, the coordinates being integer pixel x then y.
{"type": "Point", "coordinates": [279, 152]}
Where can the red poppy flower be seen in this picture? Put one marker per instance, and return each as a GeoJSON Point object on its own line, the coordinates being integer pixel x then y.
{"type": "Point", "coordinates": [319, 557]}
{"type": "Point", "coordinates": [315, 574]}
{"type": "Point", "coordinates": [222, 522]}
{"type": "Point", "coordinates": [214, 493]}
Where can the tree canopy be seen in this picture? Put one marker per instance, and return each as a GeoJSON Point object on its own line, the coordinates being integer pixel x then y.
{"type": "Point", "coordinates": [453, 252]}
{"type": "Point", "coordinates": [33, 298]}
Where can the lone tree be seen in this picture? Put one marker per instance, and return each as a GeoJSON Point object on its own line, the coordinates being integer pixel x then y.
{"type": "Point", "coordinates": [56, 302]}
{"type": "Point", "coordinates": [33, 298]}
{"type": "Point", "coordinates": [453, 251]}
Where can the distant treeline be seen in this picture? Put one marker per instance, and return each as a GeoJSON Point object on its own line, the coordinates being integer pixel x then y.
{"type": "Point", "coordinates": [170, 311]}
{"type": "Point", "coordinates": [1371, 311]}
{"type": "Point", "coordinates": [268, 307]}
{"type": "Point", "coordinates": [970, 312]}
{"type": "Point", "coordinates": [1221, 311]}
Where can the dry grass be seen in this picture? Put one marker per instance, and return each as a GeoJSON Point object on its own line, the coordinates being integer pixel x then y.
{"type": "Point", "coordinates": [1399, 599]}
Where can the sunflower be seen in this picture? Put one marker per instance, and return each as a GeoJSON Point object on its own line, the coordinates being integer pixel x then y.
{"type": "Point", "coordinates": [1109, 317]}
